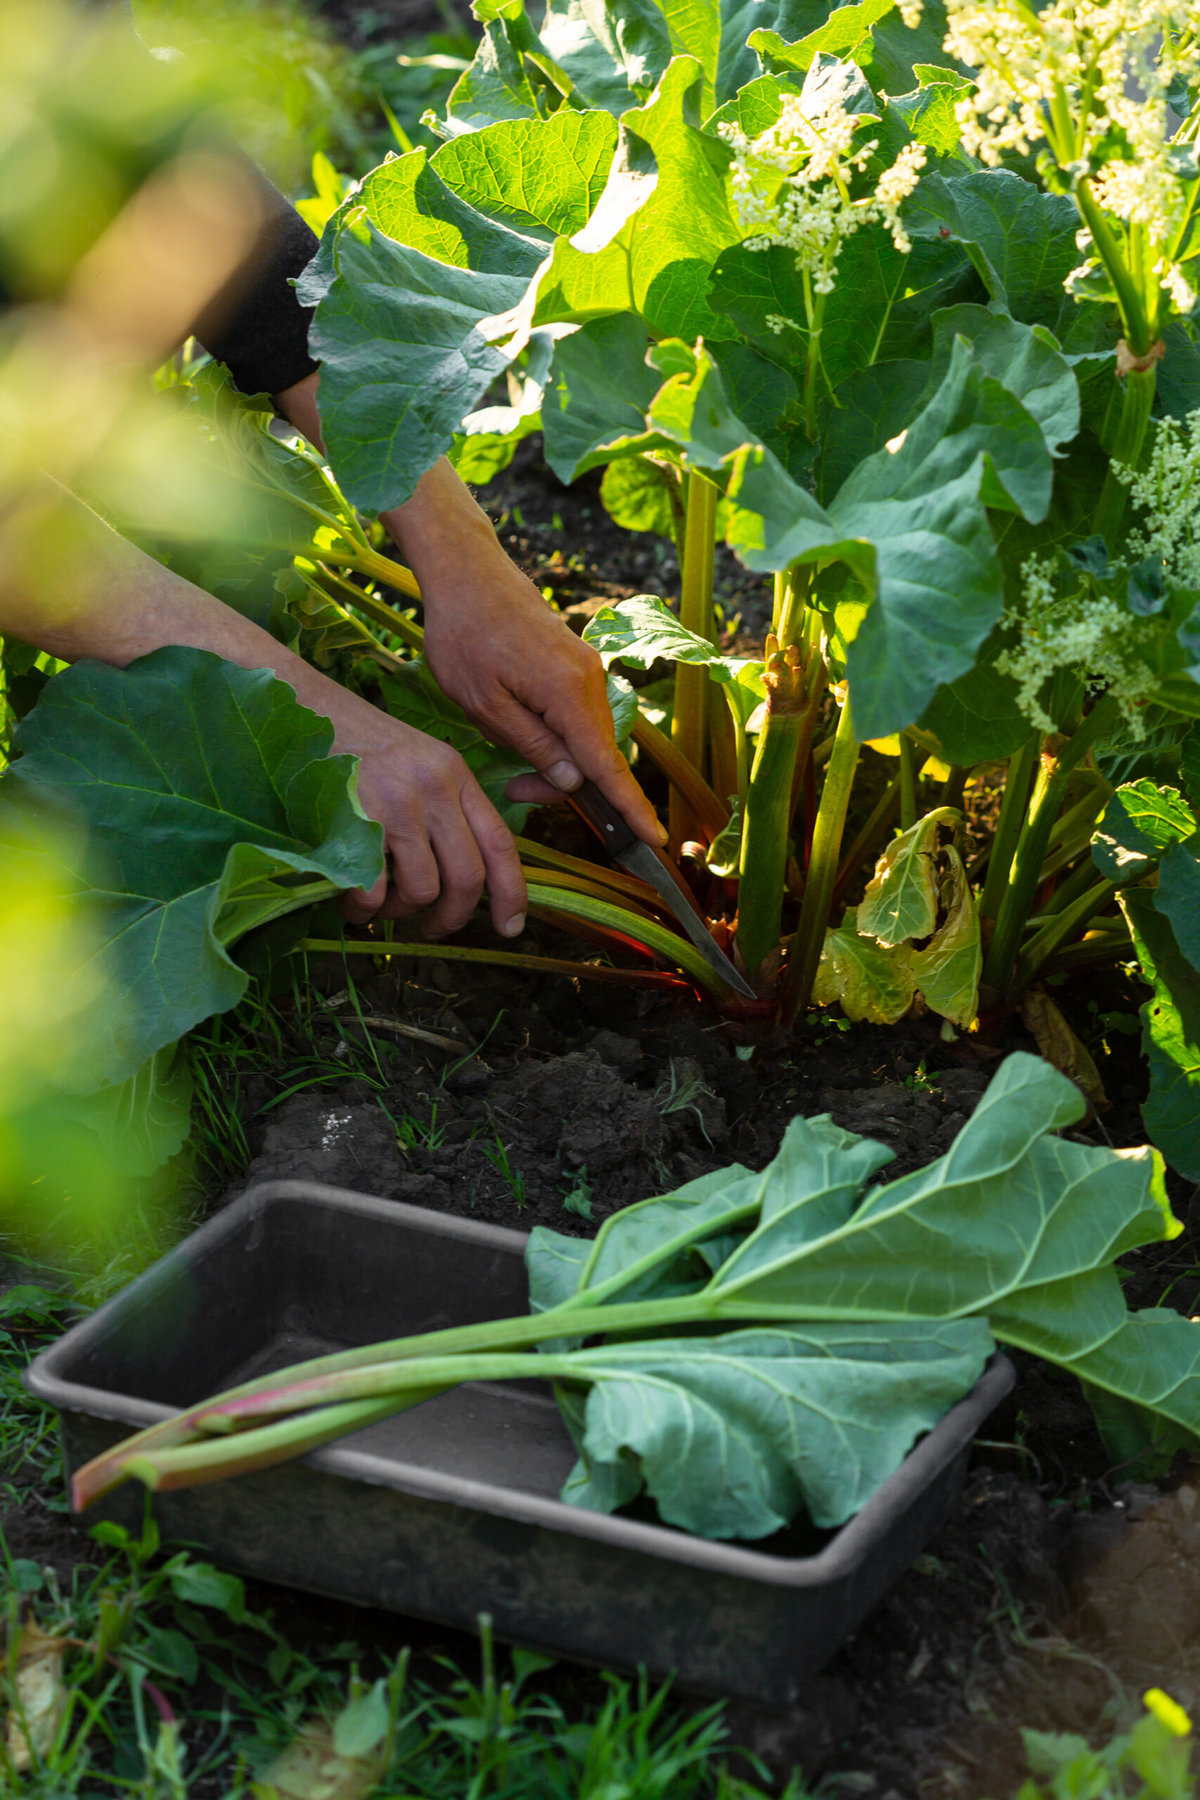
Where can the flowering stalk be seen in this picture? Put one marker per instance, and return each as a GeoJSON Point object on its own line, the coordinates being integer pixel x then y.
{"type": "Point", "coordinates": [802, 184]}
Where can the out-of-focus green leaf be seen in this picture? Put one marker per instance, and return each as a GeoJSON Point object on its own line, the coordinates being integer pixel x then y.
{"type": "Point", "coordinates": [188, 848]}
{"type": "Point", "coordinates": [643, 496]}
{"type": "Point", "coordinates": [143, 1121]}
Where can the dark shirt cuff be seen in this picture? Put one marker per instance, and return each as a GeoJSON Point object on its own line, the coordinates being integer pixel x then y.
{"type": "Point", "coordinates": [255, 324]}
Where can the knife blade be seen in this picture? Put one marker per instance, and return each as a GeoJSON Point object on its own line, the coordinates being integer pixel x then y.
{"type": "Point", "coordinates": [640, 859]}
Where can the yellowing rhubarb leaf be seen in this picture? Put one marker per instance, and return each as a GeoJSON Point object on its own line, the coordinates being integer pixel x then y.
{"type": "Point", "coordinates": [311, 1769]}
{"type": "Point", "coordinates": [901, 900]}
{"type": "Point", "coordinates": [1059, 1045]}
{"type": "Point", "coordinates": [946, 971]}
{"type": "Point", "coordinates": [867, 979]}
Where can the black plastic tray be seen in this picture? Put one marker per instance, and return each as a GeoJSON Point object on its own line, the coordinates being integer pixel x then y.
{"type": "Point", "coordinates": [452, 1509]}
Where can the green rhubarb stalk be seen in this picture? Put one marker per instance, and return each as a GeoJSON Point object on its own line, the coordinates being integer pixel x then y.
{"type": "Point", "coordinates": [1018, 784]}
{"type": "Point", "coordinates": [793, 691]}
{"type": "Point", "coordinates": [689, 720]}
{"type": "Point", "coordinates": [659, 938]}
{"type": "Point", "coordinates": [1057, 929]}
{"type": "Point", "coordinates": [808, 942]}
{"type": "Point", "coordinates": [908, 782]}
{"type": "Point", "coordinates": [1025, 873]}
{"type": "Point", "coordinates": [407, 630]}
{"type": "Point", "coordinates": [711, 812]}
{"type": "Point", "coordinates": [1068, 890]}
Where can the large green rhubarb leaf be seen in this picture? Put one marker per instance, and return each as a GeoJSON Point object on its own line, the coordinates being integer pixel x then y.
{"type": "Point", "coordinates": [732, 1434]}
{"type": "Point", "coordinates": [840, 1321]}
{"type": "Point", "coordinates": [425, 249]}
{"type": "Point", "coordinates": [210, 805]}
{"type": "Point", "coordinates": [1021, 239]}
{"type": "Point", "coordinates": [659, 227]}
{"type": "Point", "coordinates": [1014, 1233]}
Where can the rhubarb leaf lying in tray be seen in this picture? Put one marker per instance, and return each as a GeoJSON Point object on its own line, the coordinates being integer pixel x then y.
{"type": "Point", "coordinates": [756, 1343]}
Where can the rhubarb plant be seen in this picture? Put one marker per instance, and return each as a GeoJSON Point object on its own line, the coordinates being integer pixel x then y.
{"type": "Point", "coordinates": [899, 303]}
{"type": "Point", "coordinates": [901, 309]}
{"type": "Point", "coordinates": [754, 1344]}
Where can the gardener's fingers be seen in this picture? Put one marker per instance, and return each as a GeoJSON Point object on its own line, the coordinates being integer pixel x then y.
{"type": "Point", "coordinates": [528, 734]}
{"type": "Point", "coordinates": [531, 790]}
{"type": "Point", "coordinates": [505, 881]}
{"type": "Point", "coordinates": [358, 905]}
{"type": "Point", "coordinates": [582, 715]}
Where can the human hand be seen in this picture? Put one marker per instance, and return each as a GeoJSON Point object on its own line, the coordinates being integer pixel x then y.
{"type": "Point", "coordinates": [516, 669]}
{"type": "Point", "coordinates": [443, 836]}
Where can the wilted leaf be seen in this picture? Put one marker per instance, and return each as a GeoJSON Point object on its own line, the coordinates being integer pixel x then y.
{"type": "Point", "coordinates": [946, 971]}
{"type": "Point", "coordinates": [1060, 1046]}
{"type": "Point", "coordinates": [868, 980]}
{"type": "Point", "coordinates": [901, 899]}
{"type": "Point", "coordinates": [40, 1697]}
{"type": "Point", "coordinates": [311, 1769]}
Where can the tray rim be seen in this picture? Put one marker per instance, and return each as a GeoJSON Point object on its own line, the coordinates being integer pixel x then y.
{"type": "Point", "coordinates": [836, 1561]}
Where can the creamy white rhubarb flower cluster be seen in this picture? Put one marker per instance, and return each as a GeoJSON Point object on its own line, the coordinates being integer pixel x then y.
{"type": "Point", "coordinates": [1092, 77]}
{"type": "Point", "coordinates": [1089, 630]}
{"type": "Point", "coordinates": [792, 185]}
{"type": "Point", "coordinates": [1083, 633]}
{"type": "Point", "coordinates": [1168, 491]}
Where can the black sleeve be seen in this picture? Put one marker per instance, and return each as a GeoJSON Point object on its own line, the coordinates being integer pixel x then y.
{"type": "Point", "coordinates": [255, 324]}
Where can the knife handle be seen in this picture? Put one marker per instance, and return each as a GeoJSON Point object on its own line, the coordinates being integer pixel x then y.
{"type": "Point", "coordinates": [609, 825]}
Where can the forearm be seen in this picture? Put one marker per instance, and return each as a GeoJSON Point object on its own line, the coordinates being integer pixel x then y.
{"type": "Point", "coordinates": [112, 602]}
{"type": "Point", "coordinates": [442, 517]}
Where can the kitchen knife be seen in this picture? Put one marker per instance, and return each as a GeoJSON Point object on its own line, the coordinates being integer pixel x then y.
{"type": "Point", "coordinates": [653, 867]}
